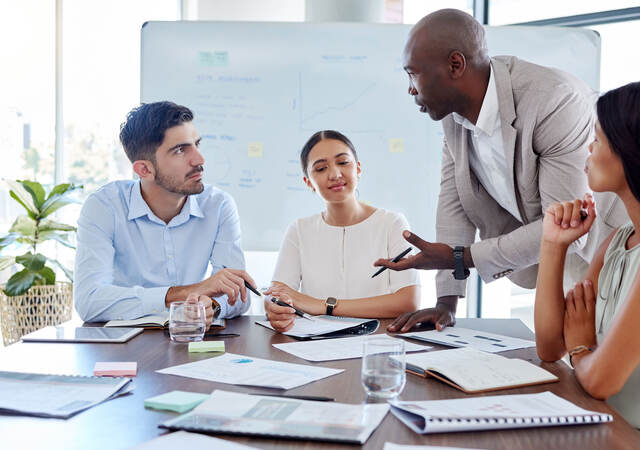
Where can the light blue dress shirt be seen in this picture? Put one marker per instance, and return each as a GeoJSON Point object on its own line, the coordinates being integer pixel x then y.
{"type": "Point", "coordinates": [127, 258]}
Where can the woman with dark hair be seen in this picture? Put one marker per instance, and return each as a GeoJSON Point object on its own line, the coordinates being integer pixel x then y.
{"type": "Point", "coordinates": [597, 321]}
{"type": "Point", "coordinates": [326, 260]}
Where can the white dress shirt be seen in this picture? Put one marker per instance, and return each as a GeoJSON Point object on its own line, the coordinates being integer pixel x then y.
{"type": "Point", "coordinates": [323, 261]}
{"type": "Point", "coordinates": [487, 159]}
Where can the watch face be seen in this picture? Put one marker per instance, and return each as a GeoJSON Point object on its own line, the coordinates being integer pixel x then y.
{"type": "Point", "coordinates": [332, 301]}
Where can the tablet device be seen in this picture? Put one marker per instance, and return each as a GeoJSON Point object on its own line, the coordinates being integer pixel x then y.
{"type": "Point", "coordinates": [82, 334]}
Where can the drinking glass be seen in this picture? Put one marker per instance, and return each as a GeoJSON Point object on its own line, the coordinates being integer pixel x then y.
{"type": "Point", "coordinates": [383, 366]}
{"type": "Point", "coordinates": [187, 321]}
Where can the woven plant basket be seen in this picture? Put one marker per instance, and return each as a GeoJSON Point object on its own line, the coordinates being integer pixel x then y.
{"type": "Point", "coordinates": [41, 306]}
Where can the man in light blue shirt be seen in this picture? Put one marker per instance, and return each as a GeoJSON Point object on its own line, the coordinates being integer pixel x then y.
{"type": "Point", "coordinates": [144, 244]}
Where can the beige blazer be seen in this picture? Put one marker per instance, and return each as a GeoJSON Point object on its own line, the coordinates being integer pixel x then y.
{"type": "Point", "coordinates": [547, 119]}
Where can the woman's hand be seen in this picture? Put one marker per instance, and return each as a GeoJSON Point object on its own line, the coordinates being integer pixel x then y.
{"type": "Point", "coordinates": [301, 301]}
{"type": "Point", "coordinates": [563, 223]}
{"type": "Point", "coordinates": [281, 318]}
{"type": "Point", "coordinates": [579, 316]}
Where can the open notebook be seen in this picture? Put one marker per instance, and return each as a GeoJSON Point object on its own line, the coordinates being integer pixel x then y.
{"type": "Point", "coordinates": [493, 413]}
{"type": "Point", "coordinates": [474, 371]}
{"type": "Point", "coordinates": [152, 321]}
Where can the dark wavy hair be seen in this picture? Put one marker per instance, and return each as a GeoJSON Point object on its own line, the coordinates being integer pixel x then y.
{"type": "Point", "coordinates": [321, 136]}
{"type": "Point", "coordinates": [619, 117]}
{"type": "Point", "coordinates": [143, 130]}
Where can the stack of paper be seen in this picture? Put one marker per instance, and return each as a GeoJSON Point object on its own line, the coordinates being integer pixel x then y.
{"type": "Point", "coordinates": [56, 395]}
{"type": "Point", "coordinates": [325, 325]}
{"type": "Point", "coordinates": [243, 370]}
{"type": "Point", "coordinates": [464, 337]}
{"type": "Point", "coordinates": [341, 348]}
{"type": "Point", "coordinates": [234, 413]}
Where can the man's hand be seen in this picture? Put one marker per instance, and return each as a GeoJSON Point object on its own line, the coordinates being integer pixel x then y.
{"type": "Point", "coordinates": [204, 301]}
{"type": "Point", "coordinates": [226, 281]}
{"type": "Point", "coordinates": [432, 256]}
{"type": "Point", "coordinates": [579, 316]}
{"type": "Point", "coordinates": [443, 315]}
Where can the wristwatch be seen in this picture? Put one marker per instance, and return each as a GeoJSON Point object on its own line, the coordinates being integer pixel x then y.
{"type": "Point", "coordinates": [330, 303]}
{"type": "Point", "coordinates": [460, 272]}
{"type": "Point", "coordinates": [577, 350]}
{"type": "Point", "coordinates": [216, 308]}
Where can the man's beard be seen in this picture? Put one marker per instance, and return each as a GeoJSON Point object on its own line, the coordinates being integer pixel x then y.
{"type": "Point", "coordinates": [172, 184]}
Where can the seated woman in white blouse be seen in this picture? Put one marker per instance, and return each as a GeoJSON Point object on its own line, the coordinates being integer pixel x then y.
{"type": "Point", "coordinates": [331, 254]}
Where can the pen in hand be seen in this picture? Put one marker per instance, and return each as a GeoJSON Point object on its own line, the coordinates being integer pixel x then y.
{"type": "Point", "coordinates": [297, 311]}
{"type": "Point", "coordinates": [248, 286]}
{"type": "Point", "coordinates": [396, 259]}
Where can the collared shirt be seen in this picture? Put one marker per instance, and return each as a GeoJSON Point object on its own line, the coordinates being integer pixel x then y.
{"type": "Point", "coordinates": [487, 158]}
{"type": "Point", "coordinates": [127, 258]}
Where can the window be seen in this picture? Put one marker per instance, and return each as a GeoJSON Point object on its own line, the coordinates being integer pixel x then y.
{"type": "Point", "coordinates": [617, 66]}
{"type": "Point", "coordinates": [414, 10]}
{"type": "Point", "coordinates": [503, 12]}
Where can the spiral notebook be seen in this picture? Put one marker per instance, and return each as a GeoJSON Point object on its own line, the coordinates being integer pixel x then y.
{"type": "Point", "coordinates": [493, 413]}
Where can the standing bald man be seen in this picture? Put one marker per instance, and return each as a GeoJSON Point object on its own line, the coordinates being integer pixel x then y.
{"type": "Point", "coordinates": [516, 140]}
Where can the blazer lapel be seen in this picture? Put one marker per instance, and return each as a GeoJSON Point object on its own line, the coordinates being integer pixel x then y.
{"type": "Point", "coordinates": [507, 117]}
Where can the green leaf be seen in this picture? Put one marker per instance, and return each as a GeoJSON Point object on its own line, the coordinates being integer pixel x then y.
{"type": "Point", "coordinates": [35, 189]}
{"type": "Point", "coordinates": [8, 240]}
{"type": "Point", "coordinates": [50, 225]}
{"type": "Point", "coordinates": [31, 261]}
{"type": "Point", "coordinates": [60, 237]}
{"type": "Point", "coordinates": [68, 273]}
{"type": "Point", "coordinates": [22, 196]}
{"type": "Point", "coordinates": [58, 198]}
{"type": "Point", "coordinates": [24, 226]}
{"type": "Point", "coordinates": [47, 276]}
{"type": "Point", "coordinates": [20, 282]}
{"type": "Point", "coordinates": [6, 262]}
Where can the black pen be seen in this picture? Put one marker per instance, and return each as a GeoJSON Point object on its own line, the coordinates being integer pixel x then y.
{"type": "Point", "coordinates": [298, 312]}
{"type": "Point", "coordinates": [396, 259]}
{"type": "Point", "coordinates": [248, 286]}
{"type": "Point", "coordinates": [300, 397]}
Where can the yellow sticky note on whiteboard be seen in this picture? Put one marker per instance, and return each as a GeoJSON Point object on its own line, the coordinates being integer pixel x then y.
{"type": "Point", "coordinates": [255, 150]}
{"type": "Point", "coordinates": [396, 145]}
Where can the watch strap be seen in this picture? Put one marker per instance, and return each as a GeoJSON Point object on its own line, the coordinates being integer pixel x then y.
{"type": "Point", "coordinates": [216, 308]}
{"type": "Point", "coordinates": [460, 272]}
{"type": "Point", "coordinates": [330, 304]}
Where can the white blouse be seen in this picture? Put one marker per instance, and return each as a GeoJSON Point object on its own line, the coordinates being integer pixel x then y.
{"type": "Point", "coordinates": [323, 261]}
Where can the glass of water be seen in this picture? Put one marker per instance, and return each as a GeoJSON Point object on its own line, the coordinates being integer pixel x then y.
{"type": "Point", "coordinates": [383, 366]}
{"type": "Point", "coordinates": [187, 321]}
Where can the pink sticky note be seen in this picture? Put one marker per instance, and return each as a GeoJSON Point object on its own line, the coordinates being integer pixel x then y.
{"type": "Point", "coordinates": [115, 369]}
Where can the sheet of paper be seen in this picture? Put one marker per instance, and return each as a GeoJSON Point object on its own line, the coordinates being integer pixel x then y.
{"type": "Point", "coordinates": [340, 348]}
{"type": "Point", "coordinates": [319, 325]}
{"type": "Point", "coordinates": [278, 416]}
{"type": "Point", "coordinates": [115, 369]}
{"type": "Point", "coordinates": [475, 370]}
{"type": "Point", "coordinates": [190, 441]}
{"type": "Point", "coordinates": [56, 395]}
{"type": "Point", "coordinates": [390, 446]}
{"type": "Point", "coordinates": [464, 337]}
{"type": "Point", "coordinates": [178, 401]}
{"type": "Point", "coordinates": [206, 346]}
{"type": "Point", "coordinates": [249, 371]}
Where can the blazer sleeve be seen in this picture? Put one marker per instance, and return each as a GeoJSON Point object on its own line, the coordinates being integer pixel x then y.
{"type": "Point", "coordinates": [453, 227]}
{"type": "Point", "coordinates": [560, 139]}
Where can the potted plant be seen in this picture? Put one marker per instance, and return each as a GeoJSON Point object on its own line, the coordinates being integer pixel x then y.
{"type": "Point", "coordinates": [32, 298]}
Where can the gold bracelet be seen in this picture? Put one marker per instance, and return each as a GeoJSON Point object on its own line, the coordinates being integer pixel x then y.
{"type": "Point", "coordinates": [577, 350]}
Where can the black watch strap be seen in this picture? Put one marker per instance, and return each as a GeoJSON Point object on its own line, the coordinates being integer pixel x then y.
{"type": "Point", "coordinates": [460, 271]}
{"type": "Point", "coordinates": [330, 303]}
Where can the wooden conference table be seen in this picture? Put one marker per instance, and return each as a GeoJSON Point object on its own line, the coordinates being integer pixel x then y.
{"type": "Point", "coordinates": [124, 422]}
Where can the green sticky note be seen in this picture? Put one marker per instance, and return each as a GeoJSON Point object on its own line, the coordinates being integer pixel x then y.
{"type": "Point", "coordinates": [206, 346]}
{"type": "Point", "coordinates": [178, 401]}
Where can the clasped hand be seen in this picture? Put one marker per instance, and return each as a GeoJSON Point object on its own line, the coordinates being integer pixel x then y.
{"type": "Point", "coordinates": [563, 223]}
{"type": "Point", "coordinates": [579, 316]}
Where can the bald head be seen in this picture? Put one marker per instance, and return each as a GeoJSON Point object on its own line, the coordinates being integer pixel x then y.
{"type": "Point", "coordinates": [446, 30]}
{"type": "Point", "coordinates": [448, 65]}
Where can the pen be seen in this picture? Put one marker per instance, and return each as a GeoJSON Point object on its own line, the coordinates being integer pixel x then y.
{"type": "Point", "coordinates": [248, 286]}
{"type": "Point", "coordinates": [396, 259]}
{"type": "Point", "coordinates": [298, 312]}
{"type": "Point", "coordinates": [300, 397]}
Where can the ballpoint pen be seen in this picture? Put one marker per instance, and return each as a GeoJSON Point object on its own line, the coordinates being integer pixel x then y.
{"type": "Point", "coordinates": [298, 312]}
{"type": "Point", "coordinates": [396, 259]}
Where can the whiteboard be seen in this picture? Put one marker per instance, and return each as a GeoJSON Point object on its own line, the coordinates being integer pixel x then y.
{"type": "Point", "coordinates": [260, 90]}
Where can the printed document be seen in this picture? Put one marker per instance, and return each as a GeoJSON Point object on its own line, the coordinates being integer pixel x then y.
{"type": "Point", "coordinates": [235, 413]}
{"type": "Point", "coordinates": [341, 348]}
{"type": "Point", "coordinates": [190, 441]}
{"type": "Point", "coordinates": [249, 371]}
{"type": "Point", "coordinates": [464, 337]}
{"type": "Point", "coordinates": [303, 328]}
{"type": "Point", "coordinates": [58, 396]}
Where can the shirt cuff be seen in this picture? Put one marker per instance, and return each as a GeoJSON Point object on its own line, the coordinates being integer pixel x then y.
{"type": "Point", "coordinates": [153, 299]}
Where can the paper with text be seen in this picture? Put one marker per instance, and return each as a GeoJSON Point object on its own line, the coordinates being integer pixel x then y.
{"type": "Point", "coordinates": [464, 337]}
{"type": "Point", "coordinates": [320, 325]}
